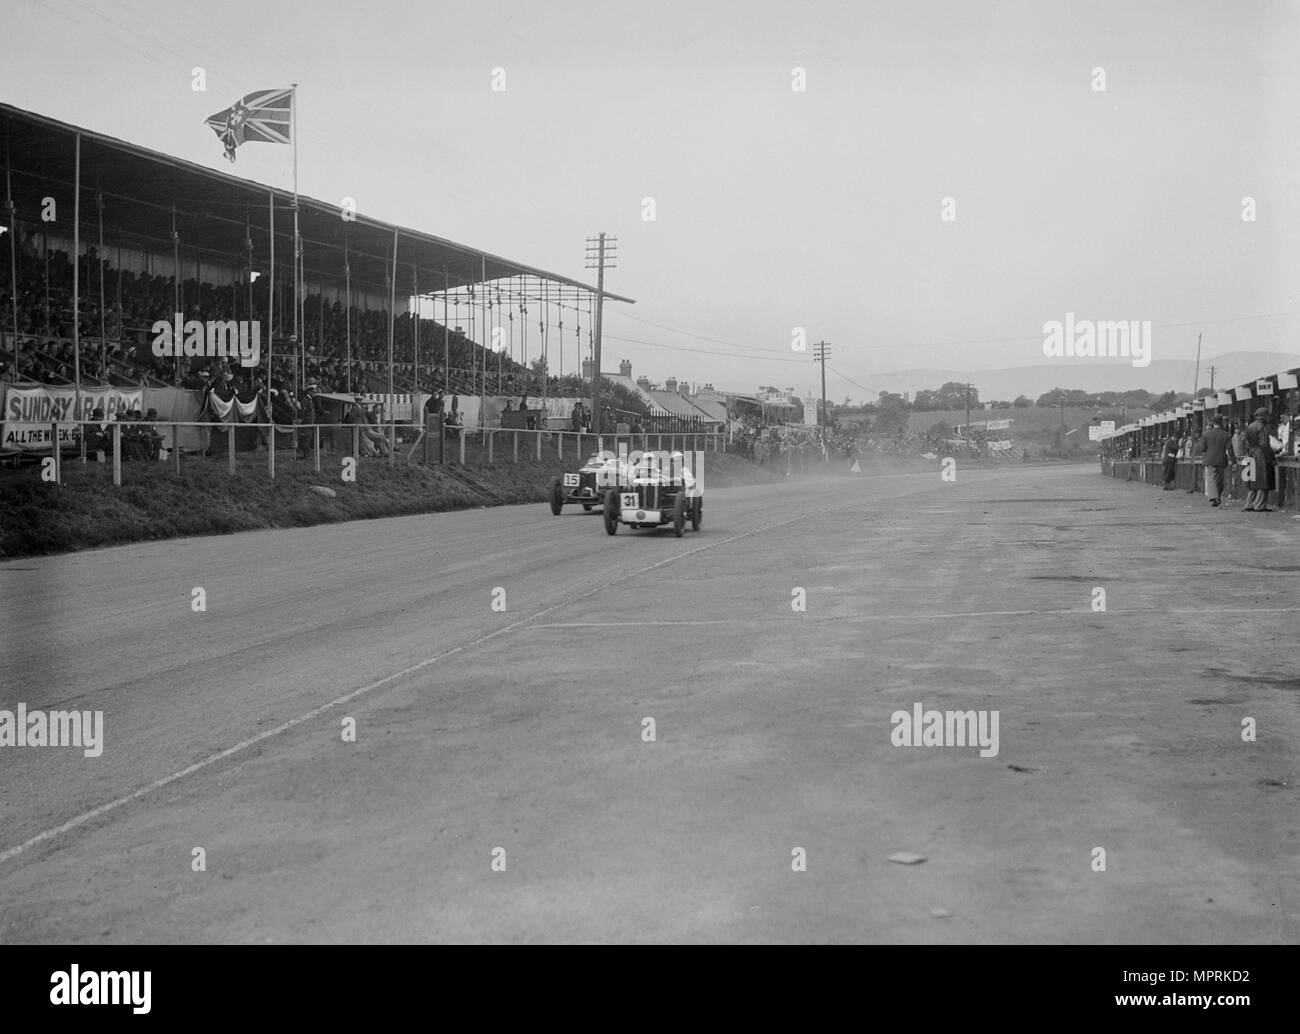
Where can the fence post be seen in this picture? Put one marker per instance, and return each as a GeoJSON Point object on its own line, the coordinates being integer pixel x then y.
{"type": "Point", "coordinates": [559, 444]}
{"type": "Point", "coordinates": [57, 453]}
{"type": "Point", "coordinates": [316, 444]}
{"type": "Point", "coordinates": [392, 444]}
{"type": "Point", "coordinates": [270, 457]}
{"type": "Point", "coordinates": [176, 449]}
{"type": "Point", "coordinates": [117, 454]}
{"type": "Point", "coordinates": [516, 446]}
{"type": "Point", "coordinates": [230, 448]}
{"type": "Point", "coordinates": [463, 432]}
{"type": "Point", "coordinates": [491, 445]}
{"type": "Point", "coordinates": [356, 444]}
{"type": "Point", "coordinates": [539, 445]}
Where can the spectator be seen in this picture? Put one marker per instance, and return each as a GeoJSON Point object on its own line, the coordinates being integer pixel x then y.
{"type": "Point", "coordinates": [1170, 458]}
{"type": "Point", "coordinates": [1214, 449]}
{"type": "Point", "coordinates": [1259, 474]}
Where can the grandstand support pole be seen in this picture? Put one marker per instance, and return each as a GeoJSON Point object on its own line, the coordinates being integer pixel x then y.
{"type": "Point", "coordinates": [117, 454]}
{"type": "Point", "coordinates": [297, 241]}
{"type": "Point", "coordinates": [415, 324]}
{"type": "Point", "coordinates": [270, 304]}
{"type": "Point", "coordinates": [347, 312]}
{"type": "Point", "coordinates": [482, 404]}
{"type": "Point", "coordinates": [176, 292]}
{"type": "Point", "coordinates": [392, 305]}
{"type": "Point", "coordinates": [76, 285]}
{"type": "Point", "coordinates": [176, 450]}
{"type": "Point", "coordinates": [13, 244]}
{"type": "Point", "coordinates": [99, 257]}
{"type": "Point", "coordinates": [446, 333]}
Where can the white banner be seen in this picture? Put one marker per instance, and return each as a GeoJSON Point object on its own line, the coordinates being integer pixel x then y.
{"type": "Point", "coordinates": [29, 411]}
{"type": "Point", "coordinates": [1001, 446]}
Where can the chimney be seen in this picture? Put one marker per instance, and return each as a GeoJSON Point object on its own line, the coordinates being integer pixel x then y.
{"type": "Point", "coordinates": [685, 387]}
{"type": "Point", "coordinates": [625, 369]}
{"type": "Point", "coordinates": [671, 385]}
{"type": "Point", "coordinates": [587, 366]}
{"type": "Point", "coordinates": [643, 382]}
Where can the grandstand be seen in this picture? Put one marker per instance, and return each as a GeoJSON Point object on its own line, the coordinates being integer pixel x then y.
{"type": "Point", "coordinates": [102, 238]}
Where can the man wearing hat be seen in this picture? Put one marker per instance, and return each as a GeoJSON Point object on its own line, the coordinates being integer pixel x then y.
{"type": "Point", "coordinates": [1259, 476]}
{"type": "Point", "coordinates": [1214, 449]}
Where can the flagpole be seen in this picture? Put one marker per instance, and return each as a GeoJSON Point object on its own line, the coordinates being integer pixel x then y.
{"type": "Point", "coordinates": [297, 244]}
{"type": "Point", "coordinates": [270, 302]}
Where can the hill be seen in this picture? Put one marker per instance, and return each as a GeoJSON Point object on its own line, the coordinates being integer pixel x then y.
{"type": "Point", "coordinates": [1093, 375]}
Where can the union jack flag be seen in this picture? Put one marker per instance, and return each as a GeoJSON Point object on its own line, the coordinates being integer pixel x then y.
{"type": "Point", "coordinates": [262, 116]}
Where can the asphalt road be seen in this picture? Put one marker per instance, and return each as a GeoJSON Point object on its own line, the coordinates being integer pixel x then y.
{"type": "Point", "coordinates": [522, 729]}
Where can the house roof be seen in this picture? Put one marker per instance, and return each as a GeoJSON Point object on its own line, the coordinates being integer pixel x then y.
{"type": "Point", "coordinates": [651, 403]}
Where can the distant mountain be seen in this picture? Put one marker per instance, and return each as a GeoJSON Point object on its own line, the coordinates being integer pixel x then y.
{"type": "Point", "coordinates": [1092, 375]}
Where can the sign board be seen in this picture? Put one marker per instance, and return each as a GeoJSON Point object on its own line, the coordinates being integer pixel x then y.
{"type": "Point", "coordinates": [1263, 387]}
{"type": "Point", "coordinates": [29, 411]}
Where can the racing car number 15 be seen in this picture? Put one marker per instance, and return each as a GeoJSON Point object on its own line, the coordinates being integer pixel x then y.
{"type": "Point", "coordinates": [570, 480]}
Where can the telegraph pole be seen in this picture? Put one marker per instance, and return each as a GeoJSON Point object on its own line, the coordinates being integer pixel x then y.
{"type": "Point", "coordinates": [967, 408]}
{"type": "Point", "coordinates": [1211, 378]}
{"type": "Point", "coordinates": [600, 256]}
{"type": "Point", "coordinates": [822, 352]}
{"type": "Point", "coordinates": [1196, 380]}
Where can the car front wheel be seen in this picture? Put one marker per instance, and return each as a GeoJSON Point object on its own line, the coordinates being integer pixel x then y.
{"type": "Point", "coordinates": [557, 496]}
{"type": "Point", "coordinates": [611, 512]}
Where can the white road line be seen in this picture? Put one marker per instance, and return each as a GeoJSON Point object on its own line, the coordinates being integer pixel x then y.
{"type": "Point", "coordinates": [315, 712]}
{"type": "Point", "coordinates": [1078, 612]}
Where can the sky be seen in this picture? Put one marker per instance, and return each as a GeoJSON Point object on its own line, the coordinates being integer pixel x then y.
{"type": "Point", "coordinates": [775, 208]}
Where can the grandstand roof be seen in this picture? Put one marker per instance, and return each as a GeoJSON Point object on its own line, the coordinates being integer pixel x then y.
{"type": "Point", "coordinates": [680, 405]}
{"type": "Point", "coordinates": [140, 187]}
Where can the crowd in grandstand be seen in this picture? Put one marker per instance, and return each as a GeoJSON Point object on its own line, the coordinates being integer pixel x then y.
{"type": "Point", "coordinates": [346, 348]}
